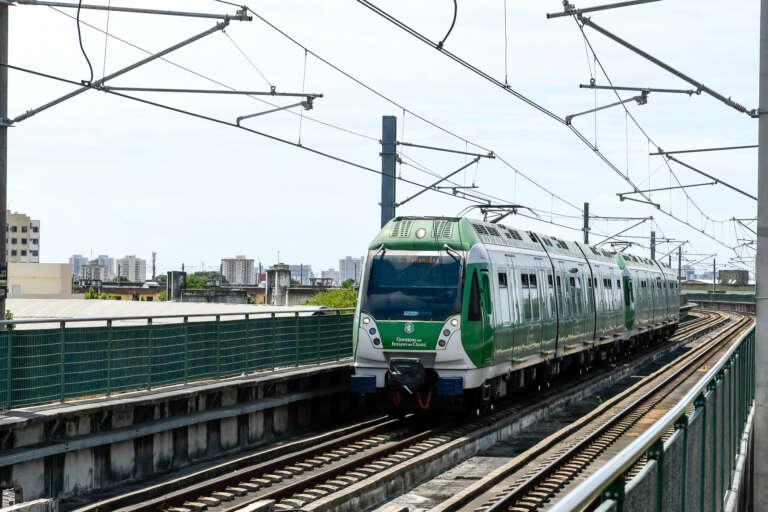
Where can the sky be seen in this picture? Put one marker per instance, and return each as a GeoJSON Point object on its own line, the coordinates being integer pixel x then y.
{"type": "Point", "coordinates": [107, 175]}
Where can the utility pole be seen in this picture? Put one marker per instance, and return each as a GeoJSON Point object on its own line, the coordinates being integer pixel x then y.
{"type": "Point", "coordinates": [3, 153]}
{"type": "Point", "coordinates": [154, 259]}
{"type": "Point", "coordinates": [653, 245]}
{"type": "Point", "coordinates": [586, 223]}
{"type": "Point", "coordinates": [388, 160]}
{"type": "Point", "coordinates": [679, 263]}
{"type": "Point", "coordinates": [760, 447]}
{"type": "Point", "coordinates": [714, 273]}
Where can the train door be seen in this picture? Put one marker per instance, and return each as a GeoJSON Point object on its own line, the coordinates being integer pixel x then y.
{"type": "Point", "coordinates": [629, 299]}
{"type": "Point", "coordinates": [530, 311]}
{"type": "Point", "coordinates": [487, 316]}
{"type": "Point", "coordinates": [549, 319]}
{"type": "Point", "coordinates": [504, 333]}
{"type": "Point", "coordinates": [590, 290]}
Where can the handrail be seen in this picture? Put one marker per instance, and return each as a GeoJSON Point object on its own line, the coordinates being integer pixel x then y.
{"type": "Point", "coordinates": [179, 315]}
{"type": "Point", "coordinates": [591, 488]}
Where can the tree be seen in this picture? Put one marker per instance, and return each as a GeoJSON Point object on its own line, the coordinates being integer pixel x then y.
{"type": "Point", "coordinates": [162, 296]}
{"type": "Point", "coordinates": [349, 284]}
{"type": "Point", "coordinates": [335, 298]}
{"type": "Point", "coordinates": [90, 294]}
{"type": "Point", "coordinates": [198, 280]}
{"type": "Point", "coordinates": [295, 281]}
{"type": "Point", "coordinates": [162, 278]}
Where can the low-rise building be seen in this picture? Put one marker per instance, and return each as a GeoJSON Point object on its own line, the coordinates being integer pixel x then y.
{"type": "Point", "coordinates": [40, 280]}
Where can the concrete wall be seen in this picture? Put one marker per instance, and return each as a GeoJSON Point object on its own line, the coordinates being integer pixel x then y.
{"type": "Point", "coordinates": [40, 280]}
{"type": "Point", "coordinates": [76, 449]}
{"type": "Point", "coordinates": [217, 295]}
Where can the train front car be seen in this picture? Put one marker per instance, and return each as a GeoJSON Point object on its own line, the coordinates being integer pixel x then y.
{"type": "Point", "coordinates": [411, 321]}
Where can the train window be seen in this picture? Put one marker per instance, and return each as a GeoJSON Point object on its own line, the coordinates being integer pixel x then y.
{"type": "Point", "coordinates": [492, 231]}
{"type": "Point", "coordinates": [618, 284]}
{"type": "Point", "coordinates": [626, 296]}
{"type": "Point", "coordinates": [549, 280]}
{"type": "Point", "coordinates": [503, 279]}
{"type": "Point", "coordinates": [533, 237]}
{"type": "Point", "coordinates": [516, 235]}
{"type": "Point", "coordinates": [534, 297]}
{"type": "Point", "coordinates": [504, 305]}
{"type": "Point", "coordinates": [474, 313]}
{"type": "Point", "coordinates": [524, 280]}
{"type": "Point", "coordinates": [560, 296]}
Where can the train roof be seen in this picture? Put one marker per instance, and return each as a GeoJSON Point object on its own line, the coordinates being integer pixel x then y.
{"type": "Point", "coordinates": [461, 233]}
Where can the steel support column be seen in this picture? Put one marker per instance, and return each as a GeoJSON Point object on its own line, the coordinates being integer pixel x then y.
{"type": "Point", "coordinates": [3, 152]}
{"type": "Point", "coordinates": [388, 161]}
{"type": "Point", "coordinates": [653, 245]}
{"type": "Point", "coordinates": [760, 476]}
{"type": "Point", "coordinates": [586, 223]}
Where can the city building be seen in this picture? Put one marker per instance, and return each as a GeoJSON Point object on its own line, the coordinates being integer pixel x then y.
{"type": "Point", "coordinates": [301, 273]}
{"type": "Point", "coordinates": [331, 274]}
{"type": "Point", "coordinates": [350, 268]}
{"type": "Point", "coordinates": [132, 268]}
{"type": "Point", "coordinates": [40, 280]}
{"type": "Point", "coordinates": [77, 261]}
{"type": "Point", "coordinates": [109, 263]}
{"type": "Point", "coordinates": [22, 236]}
{"type": "Point", "coordinates": [93, 271]}
{"type": "Point", "coordinates": [238, 270]}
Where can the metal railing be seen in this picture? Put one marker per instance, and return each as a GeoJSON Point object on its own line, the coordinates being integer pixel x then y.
{"type": "Point", "coordinates": [693, 468]}
{"type": "Point", "coordinates": [54, 364]}
{"type": "Point", "coordinates": [722, 297]}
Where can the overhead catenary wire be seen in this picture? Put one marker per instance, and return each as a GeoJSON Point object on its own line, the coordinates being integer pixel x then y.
{"type": "Point", "coordinates": [106, 40]}
{"type": "Point", "coordinates": [248, 59]}
{"type": "Point", "coordinates": [217, 82]}
{"type": "Point", "coordinates": [523, 98]}
{"type": "Point", "coordinates": [80, 40]}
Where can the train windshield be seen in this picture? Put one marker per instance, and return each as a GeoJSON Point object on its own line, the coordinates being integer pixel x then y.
{"type": "Point", "coordinates": [414, 287]}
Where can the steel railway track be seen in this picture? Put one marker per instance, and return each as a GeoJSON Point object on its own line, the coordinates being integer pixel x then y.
{"type": "Point", "coordinates": [298, 479]}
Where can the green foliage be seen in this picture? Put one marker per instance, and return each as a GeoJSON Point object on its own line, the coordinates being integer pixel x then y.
{"type": "Point", "coordinates": [348, 284]}
{"type": "Point", "coordinates": [119, 279]}
{"type": "Point", "coordinates": [251, 299]}
{"type": "Point", "coordinates": [295, 281]}
{"type": "Point", "coordinates": [162, 296]}
{"type": "Point", "coordinates": [198, 280]}
{"type": "Point", "coordinates": [90, 294]}
{"type": "Point", "coordinates": [8, 314]}
{"type": "Point", "coordinates": [336, 298]}
{"type": "Point", "coordinates": [103, 296]}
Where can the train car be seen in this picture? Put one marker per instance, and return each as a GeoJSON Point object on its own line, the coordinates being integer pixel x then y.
{"type": "Point", "coordinates": [456, 312]}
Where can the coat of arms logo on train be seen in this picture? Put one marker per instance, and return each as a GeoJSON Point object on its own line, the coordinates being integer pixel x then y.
{"type": "Point", "coordinates": [498, 310]}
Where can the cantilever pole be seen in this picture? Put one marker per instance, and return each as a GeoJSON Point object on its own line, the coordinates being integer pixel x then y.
{"type": "Point", "coordinates": [428, 187]}
{"type": "Point", "coordinates": [240, 16]}
{"type": "Point", "coordinates": [718, 180]}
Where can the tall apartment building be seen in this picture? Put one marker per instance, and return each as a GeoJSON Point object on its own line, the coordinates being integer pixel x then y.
{"type": "Point", "coordinates": [301, 273]}
{"type": "Point", "coordinates": [22, 236]}
{"type": "Point", "coordinates": [238, 270]}
{"type": "Point", "coordinates": [93, 271]}
{"type": "Point", "coordinates": [133, 269]}
{"type": "Point", "coordinates": [77, 261]}
{"type": "Point", "coordinates": [108, 263]}
{"type": "Point", "coordinates": [350, 268]}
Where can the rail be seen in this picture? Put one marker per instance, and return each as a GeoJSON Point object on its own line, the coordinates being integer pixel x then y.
{"type": "Point", "coordinates": [55, 364]}
{"type": "Point", "coordinates": [694, 466]}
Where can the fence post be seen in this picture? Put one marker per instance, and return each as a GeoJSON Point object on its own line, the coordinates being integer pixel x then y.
{"type": "Point", "coordinates": [149, 353]}
{"type": "Point", "coordinates": [338, 331]}
{"type": "Point", "coordinates": [247, 344]}
{"type": "Point", "coordinates": [682, 424]}
{"type": "Point", "coordinates": [218, 348]}
{"type": "Point", "coordinates": [62, 341]}
{"type": "Point", "coordinates": [109, 357]}
{"type": "Point", "coordinates": [186, 349]}
{"type": "Point", "coordinates": [10, 363]}
{"type": "Point", "coordinates": [296, 343]}
{"type": "Point", "coordinates": [656, 452]}
{"type": "Point", "coordinates": [272, 344]}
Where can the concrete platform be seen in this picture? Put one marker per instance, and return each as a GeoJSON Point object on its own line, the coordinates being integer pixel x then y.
{"type": "Point", "coordinates": [72, 449]}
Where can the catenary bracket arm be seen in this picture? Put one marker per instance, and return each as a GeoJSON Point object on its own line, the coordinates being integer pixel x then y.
{"type": "Point", "coordinates": [98, 83]}
{"type": "Point", "coordinates": [699, 86]}
{"type": "Point", "coordinates": [240, 16]}
{"type": "Point", "coordinates": [433, 185]}
{"type": "Point", "coordinates": [619, 233]}
{"type": "Point", "coordinates": [711, 177]}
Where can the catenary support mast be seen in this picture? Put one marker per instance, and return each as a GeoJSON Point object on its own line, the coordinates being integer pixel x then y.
{"type": "Point", "coordinates": [586, 223]}
{"type": "Point", "coordinates": [760, 472]}
{"type": "Point", "coordinates": [388, 161]}
{"type": "Point", "coordinates": [3, 153]}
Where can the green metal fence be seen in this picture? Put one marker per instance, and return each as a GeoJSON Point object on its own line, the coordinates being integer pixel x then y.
{"type": "Point", "coordinates": [45, 365]}
{"type": "Point", "coordinates": [693, 468]}
{"type": "Point", "coordinates": [722, 297]}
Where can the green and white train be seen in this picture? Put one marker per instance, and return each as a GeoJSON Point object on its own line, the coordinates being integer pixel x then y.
{"type": "Point", "coordinates": [458, 311]}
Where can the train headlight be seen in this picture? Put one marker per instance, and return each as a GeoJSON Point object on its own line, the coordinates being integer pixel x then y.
{"type": "Point", "coordinates": [421, 233]}
{"type": "Point", "coordinates": [455, 322]}
{"type": "Point", "coordinates": [450, 329]}
{"type": "Point", "coordinates": [366, 320]}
